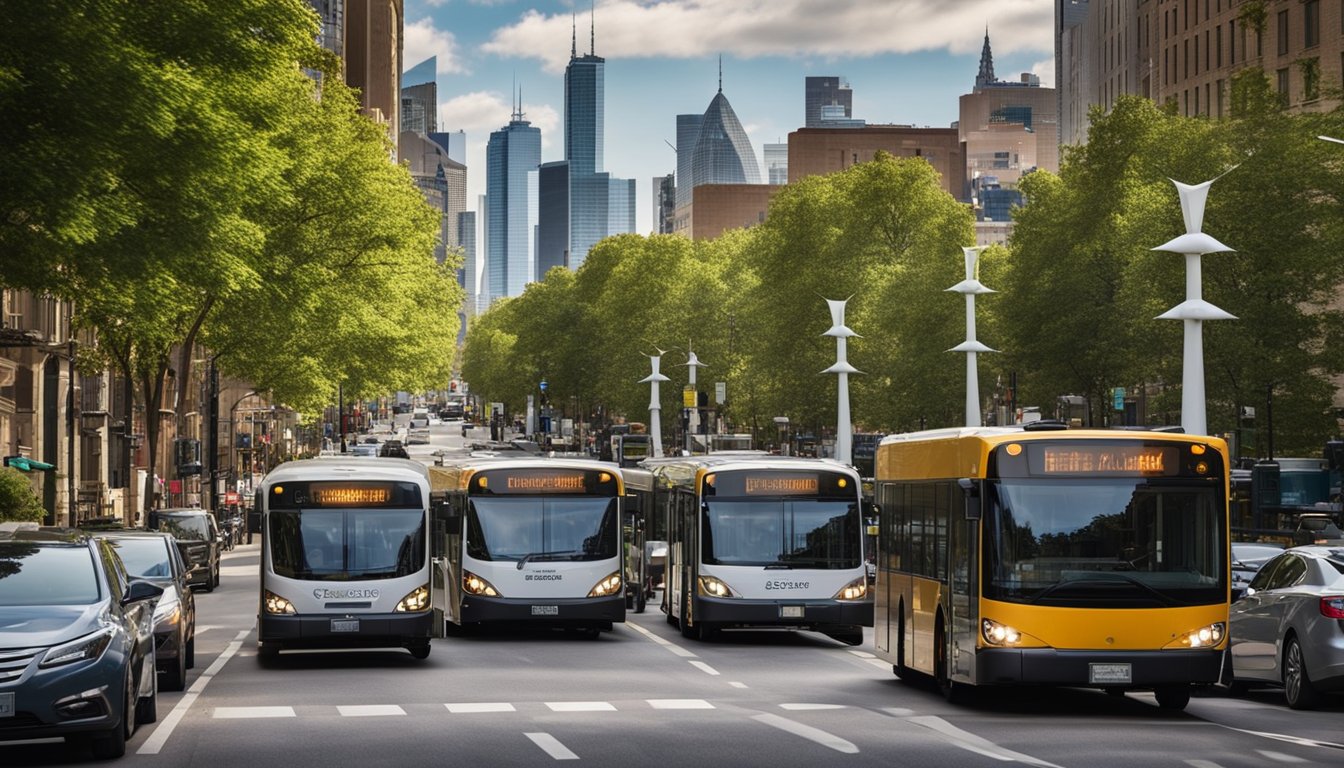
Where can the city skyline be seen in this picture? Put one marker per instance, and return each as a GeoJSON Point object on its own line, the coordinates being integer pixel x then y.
{"type": "Point", "coordinates": [662, 60]}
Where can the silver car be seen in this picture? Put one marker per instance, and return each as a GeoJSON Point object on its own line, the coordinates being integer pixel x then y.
{"type": "Point", "coordinates": [1289, 628]}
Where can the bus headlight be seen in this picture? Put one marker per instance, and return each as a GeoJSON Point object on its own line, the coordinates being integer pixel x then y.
{"type": "Point", "coordinates": [475, 585]}
{"type": "Point", "coordinates": [1204, 637]}
{"type": "Point", "coordinates": [277, 605]}
{"type": "Point", "coordinates": [999, 634]}
{"type": "Point", "coordinates": [854, 590]}
{"type": "Point", "coordinates": [416, 602]}
{"type": "Point", "coordinates": [712, 587]}
{"type": "Point", "coordinates": [606, 587]}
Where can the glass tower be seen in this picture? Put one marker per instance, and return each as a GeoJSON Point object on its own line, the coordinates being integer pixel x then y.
{"type": "Point", "coordinates": [723, 153]}
{"type": "Point", "coordinates": [512, 153]}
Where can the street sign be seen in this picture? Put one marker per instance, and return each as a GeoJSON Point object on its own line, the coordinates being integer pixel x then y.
{"type": "Point", "coordinates": [1119, 398]}
{"type": "Point", "coordinates": [688, 397]}
{"type": "Point", "coordinates": [720, 392]}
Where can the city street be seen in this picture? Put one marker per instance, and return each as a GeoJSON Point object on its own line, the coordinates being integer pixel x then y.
{"type": "Point", "coordinates": [643, 694]}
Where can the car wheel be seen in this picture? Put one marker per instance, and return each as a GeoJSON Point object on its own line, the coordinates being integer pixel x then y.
{"type": "Point", "coordinates": [175, 676]}
{"type": "Point", "coordinates": [420, 650]}
{"type": "Point", "coordinates": [190, 651]}
{"type": "Point", "coordinates": [1297, 686]}
{"type": "Point", "coordinates": [111, 744]}
{"type": "Point", "coordinates": [215, 583]}
{"type": "Point", "coordinates": [147, 709]}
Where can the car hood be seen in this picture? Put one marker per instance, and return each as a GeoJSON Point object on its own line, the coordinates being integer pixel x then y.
{"type": "Point", "coordinates": [26, 626]}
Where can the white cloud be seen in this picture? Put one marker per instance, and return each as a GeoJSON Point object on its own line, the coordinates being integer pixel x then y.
{"type": "Point", "coordinates": [422, 40]}
{"type": "Point", "coordinates": [1046, 71]}
{"type": "Point", "coordinates": [482, 112]}
{"type": "Point", "coordinates": [751, 28]}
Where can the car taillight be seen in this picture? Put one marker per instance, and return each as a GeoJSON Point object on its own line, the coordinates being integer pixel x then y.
{"type": "Point", "coordinates": [1332, 607]}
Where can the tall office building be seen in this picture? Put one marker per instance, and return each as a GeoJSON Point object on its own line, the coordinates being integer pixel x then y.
{"type": "Point", "coordinates": [664, 203]}
{"type": "Point", "coordinates": [419, 98]}
{"type": "Point", "coordinates": [688, 130]}
{"type": "Point", "coordinates": [512, 157]}
{"type": "Point", "coordinates": [552, 216]}
{"type": "Point", "coordinates": [820, 92]}
{"type": "Point", "coordinates": [372, 57]}
{"type": "Point", "coordinates": [455, 142]}
{"type": "Point", "coordinates": [723, 153]}
{"type": "Point", "coordinates": [598, 204]}
{"type": "Point", "coordinates": [443, 182]}
{"type": "Point", "coordinates": [777, 163]}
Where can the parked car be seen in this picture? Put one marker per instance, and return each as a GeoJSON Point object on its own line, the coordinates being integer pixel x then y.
{"type": "Point", "coordinates": [1247, 559]}
{"type": "Point", "coordinates": [79, 638]}
{"type": "Point", "coordinates": [199, 540]}
{"type": "Point", "coordinates": [364, 449]}
{"type": "Point", "coordinates": [1289, 628]}
{"type": "Point", "coordinates": [155, 557]}
{"type": "Point", "coordinates": [393, 449]}
{"type": "Point", "coordinates": [419, 436]}
{"type": "Point", "coordinates": [1317, 528]}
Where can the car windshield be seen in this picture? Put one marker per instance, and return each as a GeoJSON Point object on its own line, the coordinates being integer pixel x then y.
{"type": "Point", "coordinates": [347, 544]}
{"type": "Point", "coordinates": [1117, 542]}
{"type": "Point", "coordinates": [186, 526]}
{"type": "Point", "coordinates": [33, 574]}
{"type": "Point", "coordinates": [787, 533]}
{"type": "Point", "coordinates": [542, 528]}
{"type": "Point", "coordinates": [146, 557]}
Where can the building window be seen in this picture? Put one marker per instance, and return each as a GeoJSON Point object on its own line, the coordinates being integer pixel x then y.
{"type": "Point", "coordinates": [1218, 46]}
{"type": "Point", "coordinates": [1185, 60]}
{"type": "Point", "coordinates": [1283, 87]}
{"type": "Point", "coordinates": [1196, 108]}
{"type": "Point", "coordinates": [1311, 23]}
{"type": "Point", "coordinates": [1283, 33]}
{"type": "Point", "coordinates": [1311, 78]}
{"type": "Point", "coordinates": [1232, 42]}
{"type": "Point", "coordinates": [1219, 93]}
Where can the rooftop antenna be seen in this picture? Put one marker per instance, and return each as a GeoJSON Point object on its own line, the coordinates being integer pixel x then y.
{"type": "Point", "coordinates": [592, 29]}
{"type": "Point", "coordinates": [720, 73]}
{"type": "Point", "coordinates": [573, 36]}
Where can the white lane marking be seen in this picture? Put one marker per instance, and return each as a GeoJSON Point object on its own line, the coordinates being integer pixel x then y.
{"type": "Point", "coordinates": [972, 743]}
{"type": "Point", "coordinates": [703, 667]}
{"type": "Point", "coordinates": [1305, 742]}
{"type": "Point", "coordinates": [1281, 757]}
{"type": "Point", "coordinates": [163, 730]}
{"type": "Point", "coordinates": [201, 628]}
{"type": "Point", "coordinates": [810, 707]}
{"type": "Point", "coordinates": [370, 710]}
{"type": "Point", "coordinates": [862, 654]}
{"type": "Point", "coordinates": [880, 664]}
{"type": "Point", "coordinates": [679, 704]}
{"type": "Point", "coordinates": [238, 570]}
{"type": "Point", "coordinates": [1202, 764]}
{"type": "Point", "coordinates": [580, 706]}
{"type": "Point", "coordinates": [899, 711]}
{"type": "Point", "coordinates": [476, 707]}
{"type": "Point", "coordinates": [551, 746]}
{"type": "Point", "coordinates": [808, 732]}
{"type": "Point", "coordinates": [738, 685]}
{"type": "Point", "coordinates": [671, 646]}
{"type": "Point", "coordinates": [251, 713]}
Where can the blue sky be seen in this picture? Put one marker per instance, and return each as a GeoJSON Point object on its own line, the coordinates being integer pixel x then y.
{"type": "Point", "coordinates": [907, 61]}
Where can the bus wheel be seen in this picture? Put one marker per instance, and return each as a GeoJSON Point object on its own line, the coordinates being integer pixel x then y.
{"type": "Point", "coordinates": [954, 692]}
{"type": "Point", "coordinates": [1172, 696]}
{"type": "Point", "coordinates": [420, 649]}
{"type": "Point", "coordinates": [641, 601]}
{"type": "Point", "coordinates": [899, 669]}
{"type": "Point", "coordinates": [687, 631]}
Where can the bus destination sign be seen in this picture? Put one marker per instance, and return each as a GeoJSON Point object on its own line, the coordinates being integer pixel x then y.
{"type": "Point", "coordinates": [545, 481]}
{"type": "Point", "coordinates": [552, 482]}
{"type": "Point", "coordinates": [1082, 459]}
{"type": "Point", "coordinates": [778, 484]}
{"type": "Point", "coordinates": [751, 482]}
{"type": "Point", "coordinates": [345, 495]}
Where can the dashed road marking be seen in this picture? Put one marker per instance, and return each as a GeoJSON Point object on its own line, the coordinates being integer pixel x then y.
{"type": "Point", "coordinates": [370, 710]}
{"type": "Point", "coordinates": [479, 707]}
{"type": "Point", "coordinates": [736, 684]}
{"type": "Point", "coordinates": [703, 667]}
{"type": "Point", "coordinates": [1202, 764]}
{"type": "Point", "coordinates": [862, 654]}
{"type": "Point", "coordinates": [551, 746]}
{"type": "Point", "coordinates": [808, 732]}
{"type": "Point", "coordinates": [154, 744]}
{"type": "Point", "coordinates": [977, 744]}
{"type": "Point", "coordinates": [251, 713]}
{"type": "Point", "coordinates": [580, 706]}
{"type": "Point", "coordinates": [679, 704]}
{"type": "Point", "coordinates": [671, 646]}
{"type": "Point", "coordinates": [810, 707]}
{"type": "Point", "coordinates": [1281, 757]}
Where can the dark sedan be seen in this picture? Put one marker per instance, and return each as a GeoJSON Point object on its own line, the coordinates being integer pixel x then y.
{"type": "Point", "coordinates": [76, 642]}
{"type": "Point", "coordinates": [199, 540]}
{"type": "Point", "coordinates": [154, 557]}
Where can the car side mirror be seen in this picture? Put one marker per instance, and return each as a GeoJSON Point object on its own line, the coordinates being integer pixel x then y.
{"type": "Point", "coordinates": [141, 590]}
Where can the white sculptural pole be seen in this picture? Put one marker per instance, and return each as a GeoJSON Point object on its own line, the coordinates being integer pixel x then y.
{"type": "Point", "coordinates": [844, 428]}
{"type": "Point", "coordinates": [1194, 310]}
{"type": "Point", "coordinates": [655, 405]}
{"type": "Point", "coordinates": [693, 418]}
{"type": "Point", "coordinates": [971, 287]}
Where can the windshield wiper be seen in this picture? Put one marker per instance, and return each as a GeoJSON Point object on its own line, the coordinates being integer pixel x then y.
{"type": "Point", "coordinates": [545, 556]}
{"type": "Point", "coordinates": [779, 566]}
{"type": "Point", "coordinates": [1102, 579]}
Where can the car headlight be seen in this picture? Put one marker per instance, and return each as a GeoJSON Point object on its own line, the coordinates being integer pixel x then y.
{"type": "Point", "coordinates": [854, 590]}
{"type": "Point", "coordinates": [276, 604]}
{"type": "Point", "coordinates": [712, 587]}
{"type": "Point", "coordinates": [81, 649]}
{"type": "Point", "coordinates": [169, 608]}
{"type": "Point", "coordinates": [608, 586]}
{"type": "Point", "coordinates": [1204, 637]}
{"type": "Point", "coordinates": [475, 585]}
{"type": "Point", "coordinates": [415, 602]}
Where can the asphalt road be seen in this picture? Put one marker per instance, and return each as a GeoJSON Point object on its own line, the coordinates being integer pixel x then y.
{"type": "Point", "coordinates": [643, 695]}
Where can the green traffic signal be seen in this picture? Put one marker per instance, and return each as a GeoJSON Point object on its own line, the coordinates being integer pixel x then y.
{"type": "Point", "coordinates": [25, 464]}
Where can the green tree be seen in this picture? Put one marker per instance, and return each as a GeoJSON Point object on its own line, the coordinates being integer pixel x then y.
{"type": "Point", "coordinates": [17, 500]}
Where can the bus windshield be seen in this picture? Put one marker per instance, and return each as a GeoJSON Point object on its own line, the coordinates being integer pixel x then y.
{"type": "Point", "coordinates": [782, 533]}
{"type": "Point", "coordinates": [347, 544]}
{"type": "Point", "coordinates": [532, 528]}
{"type": "Point", "coordinates": [1117, 542]}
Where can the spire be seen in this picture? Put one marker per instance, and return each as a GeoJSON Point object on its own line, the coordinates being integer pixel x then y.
{"type": "Point", "coordinates": [592, 29]}
{"type": "Point", "coordinates": [986, 74]}
{"type": "Point", "coordinates": [573, 37]}
{"type": "Point", "coordinates": [720, 73]}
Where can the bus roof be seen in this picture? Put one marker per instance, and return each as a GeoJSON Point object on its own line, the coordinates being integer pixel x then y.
{"type": "Point", "coordinates": [454, 472]}
{"type": "Point", "coordinates": [345, 467]}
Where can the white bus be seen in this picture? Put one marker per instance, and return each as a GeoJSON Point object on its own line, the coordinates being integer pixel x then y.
{"type": "Point", "coordinates": [529, 540]}
{"type": "Point", "coordinates": [345, 556]}
{"type": "Point", "coordinates": [755, 540]}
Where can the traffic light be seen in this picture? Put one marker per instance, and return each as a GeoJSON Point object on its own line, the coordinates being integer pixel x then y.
{"type": "Point", "coordinates": [25, 464]}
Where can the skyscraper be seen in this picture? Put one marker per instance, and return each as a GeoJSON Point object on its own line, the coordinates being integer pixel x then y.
{"type": "Point", "coordinates": [552, 216]}
{"type": "Point", "coordinates": [723, 153]}
{"type": "Point", "coordinates": [419, 97]}
{"type": "Point", "coordinates": [688, 130]}
{"type": "Point", "coordinates": [372, 58]}
{"type": "Point", "coordinates": [819, 92]}
{"type": "Point", "coordinates": [777, 163]}
{"type": "Point", "coordinates": [512, 157]}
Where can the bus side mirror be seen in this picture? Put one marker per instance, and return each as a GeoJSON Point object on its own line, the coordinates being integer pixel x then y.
{"type": "Point", "coordinates": [972, 493]}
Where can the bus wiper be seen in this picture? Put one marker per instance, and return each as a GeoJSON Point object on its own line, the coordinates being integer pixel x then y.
{"type": "Point", "coordinates": [530, 556]}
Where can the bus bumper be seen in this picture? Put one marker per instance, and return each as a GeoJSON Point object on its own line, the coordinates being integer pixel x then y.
{"type": "Point", "coordinates": [730, 612]}
{"type": "Point", "coordinates": [1048, 666]}
{"type": "Point", "coordinates": [571, 610]}
{"type": "Point", "coordinates": [337, 631]}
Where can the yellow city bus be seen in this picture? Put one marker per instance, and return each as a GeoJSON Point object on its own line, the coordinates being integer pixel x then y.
{"type": "Point", "coordinates": [1047, 556]}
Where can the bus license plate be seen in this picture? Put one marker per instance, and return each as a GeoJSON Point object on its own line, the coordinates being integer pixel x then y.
{"type": "Point", "coordinates": [7, 704]}
{"type": "Point", "coordinates": [345, 625]}
{"type": "Point", "coordinates": [791, 611]}
{"type": "Point", "coordinates": [545, 610]}
{"type": "Point", "coordinates": [1109, 673]}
